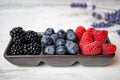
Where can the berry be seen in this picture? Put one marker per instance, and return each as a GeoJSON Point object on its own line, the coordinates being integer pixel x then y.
{"type": "Point", "coordinates": [61, 34]}
{"type": "Point", "coordinates": [70, 35]}
{"type": "Point", "coordinates": [49, 50]}
{"type": "Point", "coordinates": [100, 35]}
{"type": "Point", "coordinates": [93, 48]}
{"type": "Point", "coordinates": [61, 50]}
{"type": "Point", "coordinates": [17, 35]}
{"type": "Point", "coordinates": [17, 31]}
{"type": "Point", "coordinates": [79, 31]}
{"type": "Point", "coordinates": [54, 38]}
{"type": "Point", "coordinates": [31, 36]}
{"type": "Point", "coordinates": [16, 49]}
{"type": "Point", "coordinates": [90, 29]}
{"type": "Point", "coordinates": [72, 47]}
{"type": "Point", "coordinates": [69, 30]}
{"type": "Point", "coordinates": [108, 49]}
{"type": "Point", "coordinates": [86, 39]}
{"type": "Point", "coordinates": [46, 40]}
{"type": "Point", "coordinates": [49, 31]}
{"type": "Point", "coordinates": [60, 42]}
{"type": "Point", "coordinates": [32, 49]}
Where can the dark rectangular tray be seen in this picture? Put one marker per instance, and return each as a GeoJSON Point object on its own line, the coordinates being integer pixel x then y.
{"type": "Point", "coordinates": [57, 60]}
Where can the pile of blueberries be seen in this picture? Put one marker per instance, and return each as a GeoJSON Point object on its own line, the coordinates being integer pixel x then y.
{"type": "Point", "coordinates": [25, 42]}
{"type": "Point", "coordinates": [59, 43]}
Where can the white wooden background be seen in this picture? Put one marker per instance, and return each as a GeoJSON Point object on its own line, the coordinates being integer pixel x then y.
{"type": "Point", "coordinates": [38, 15]}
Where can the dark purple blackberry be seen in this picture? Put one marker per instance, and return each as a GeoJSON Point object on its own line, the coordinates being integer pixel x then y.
{"type": "Point", "coordinates": [16, 49]}
{"type": "Point", "coordinates": [17, 35]}
{"type": "Point", "coordinates": [31, 36]}
{"type": "Point", "coordinates": [32, 49]}
{"type": "Point", "coordinates": [17, 31]}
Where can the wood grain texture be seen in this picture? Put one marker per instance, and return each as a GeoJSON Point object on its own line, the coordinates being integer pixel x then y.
{"type": "Point", "coordinates": [38, 15]}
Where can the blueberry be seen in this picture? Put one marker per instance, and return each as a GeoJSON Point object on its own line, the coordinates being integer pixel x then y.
{"type": "Point", "coordinates": [72, 47]}
{"type": "Point", "coordinates": [70, 35]}
{"type": "Point", "coordinates": [69, 30]}
{"type": "Point", "coordinates": [49, 31]}
{"type": "Point", "coordinates": [54, 38]}
{"type": "Point", "coordinates": [60, 42]}
{"type": "Point", "coordinates": [61, 34]}
{"type": "Point", "coordinates": [49, 50]}
{"type": "Point", "coordinates": [46, 40]}
{"type": "Point", "coordinates": [61, 50]}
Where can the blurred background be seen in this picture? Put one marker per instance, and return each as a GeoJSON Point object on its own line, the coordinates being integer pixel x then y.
{"type": "Point", "coordinates": [38, 15]}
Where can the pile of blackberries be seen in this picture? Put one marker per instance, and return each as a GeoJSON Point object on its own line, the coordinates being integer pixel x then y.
{"type": "Point", "coordinates": [25, 42]}
{"type": "Point", "coordinates": [59, 43]}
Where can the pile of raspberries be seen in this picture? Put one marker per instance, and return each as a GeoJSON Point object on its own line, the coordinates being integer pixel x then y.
{"type": "Point", "coordinates": [94, 42]}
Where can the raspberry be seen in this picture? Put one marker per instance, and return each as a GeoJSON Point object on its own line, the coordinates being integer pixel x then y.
{"type": "Point", "coordinates": [86, 39]}
{"type": "Point", "coordinates": [100, 35]}
{"type": "Point", "coordinates": [90, 29]}
{"type": "Point", "coordinates": [93, 48]}
{"type": "Point", "coordinates": [108, 49]}
{"type": "Point", "coordinates": [79, 31]}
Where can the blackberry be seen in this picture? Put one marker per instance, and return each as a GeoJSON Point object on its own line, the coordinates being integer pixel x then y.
{"type": "Point", "coordinates": [32, 49]}
{"type": "Point", "coordinates": [17, 31]}
{"type": "Point", "coordinates": [17, 35]}
{"type": "Point", "coordinates": [31, 36]}
{"type": "Point", "coordinates": [16, 49]}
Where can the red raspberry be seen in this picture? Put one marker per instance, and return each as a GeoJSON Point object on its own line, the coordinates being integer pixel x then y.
{"type": "Point", "coordinates": [108, 49]}
{"type": "Point", "coordinates": [93, 48]}
{"type": "Point", "coordinates": [90, 29]}
{"type": "Point", "coordinates": [79, 32]}
{"type": "Point", "coordinates": [86, 39]}
{"type": "Point", "coordinates": [100, 35]}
